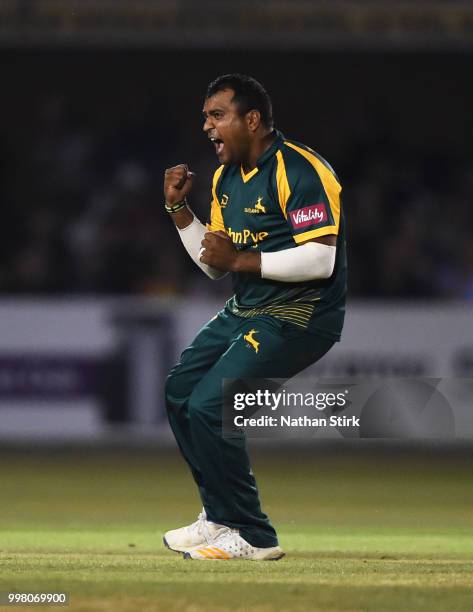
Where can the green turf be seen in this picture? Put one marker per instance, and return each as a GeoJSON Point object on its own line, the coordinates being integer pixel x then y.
{"type": "Point", "coordinates": [361, 532]}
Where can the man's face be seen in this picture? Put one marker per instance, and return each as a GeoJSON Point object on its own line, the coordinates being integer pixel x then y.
{"type": "Point", "coordinates": [226, 128]}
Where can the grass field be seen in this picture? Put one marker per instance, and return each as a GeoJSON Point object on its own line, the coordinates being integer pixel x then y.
{"type": "Point", "coordinates": [361, 532]}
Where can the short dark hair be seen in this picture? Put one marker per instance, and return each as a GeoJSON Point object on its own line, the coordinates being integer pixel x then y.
{"type": "Point", "coordinates": [249, 95]}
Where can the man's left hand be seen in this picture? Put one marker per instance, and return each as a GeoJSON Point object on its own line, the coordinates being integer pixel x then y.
{"type": "Point", "coordinates": [219, 252]}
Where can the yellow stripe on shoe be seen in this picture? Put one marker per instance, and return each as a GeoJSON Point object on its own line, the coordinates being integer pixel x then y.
{"type": "Point", "coordinates": [205, 553]}
{"type": "Point", "coordinates": [224, 555]}
{"type": "Point", "coordinates": [212, 552]}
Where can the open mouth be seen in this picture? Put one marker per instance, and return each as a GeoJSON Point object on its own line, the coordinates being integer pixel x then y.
{"type": "Point", "coordinates": [218, 144]}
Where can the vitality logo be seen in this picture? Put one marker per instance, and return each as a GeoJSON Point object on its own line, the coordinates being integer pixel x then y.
{"type": "Point", "coordinates": [309, 215]}
{"type": "Point", "coordinates": [251, 341]}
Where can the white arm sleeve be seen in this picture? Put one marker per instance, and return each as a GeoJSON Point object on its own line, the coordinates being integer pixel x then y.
{"type": "Point", "coordinates": [191, 237]}
{"type": "Point", "coordinates": [306, 262]}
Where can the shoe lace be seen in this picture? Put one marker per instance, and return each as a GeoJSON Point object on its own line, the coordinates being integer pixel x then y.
{"type": "Point", "coordinates": [225, 535]}
{"type": "Point", "coordinates": [201, 526]}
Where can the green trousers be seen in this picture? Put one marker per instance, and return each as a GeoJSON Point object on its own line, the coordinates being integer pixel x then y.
{"type": "Point", "coordinates": [220, 466]}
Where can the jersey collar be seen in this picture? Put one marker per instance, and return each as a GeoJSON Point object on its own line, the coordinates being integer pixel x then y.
{"type": "Point", "coordinates": [278, 140]}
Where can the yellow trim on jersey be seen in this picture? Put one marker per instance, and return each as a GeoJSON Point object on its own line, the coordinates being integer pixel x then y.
{"type": "Point", "coordinates": [251, 173]}
{"type": "Point", "coordinates": [284, 191]}
{"type": "Point", "coordinates": [216, 218]}
{"type": "Point", "coordinates": [217, 174]}
{"type": "Point", "coordinates": [331, 186]}
{"type": "Point", "coordinates": [316, 233]}
{"type": "Point", "coordinates": [296, 313]}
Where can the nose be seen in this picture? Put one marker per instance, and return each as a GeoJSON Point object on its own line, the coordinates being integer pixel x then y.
{"type": "Point", "coordinates": [207, 124]}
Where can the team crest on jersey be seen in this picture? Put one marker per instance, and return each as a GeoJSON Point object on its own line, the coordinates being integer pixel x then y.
{"type": "Point", "coordinates": [258, 208]}
{"type": "Point", "coordinates": [224, 201]}
{"type": "Point", "coordinates": [250, 340]}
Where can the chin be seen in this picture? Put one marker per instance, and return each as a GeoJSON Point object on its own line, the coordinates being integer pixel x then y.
{"type": "Point", "coordinates": [226, 159]}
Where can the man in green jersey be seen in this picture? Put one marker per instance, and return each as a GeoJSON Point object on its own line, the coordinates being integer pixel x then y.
{"type": "Point", "coordinates": [276, 225]}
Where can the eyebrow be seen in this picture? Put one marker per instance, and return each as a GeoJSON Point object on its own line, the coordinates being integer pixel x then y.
{"type": "Point", "coordinates": [213, 111]}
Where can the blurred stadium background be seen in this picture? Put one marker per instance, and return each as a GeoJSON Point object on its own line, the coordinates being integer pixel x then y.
{"type": "Point", "coordinates": [97, 296]}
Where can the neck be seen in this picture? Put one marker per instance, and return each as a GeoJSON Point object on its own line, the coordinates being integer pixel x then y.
{"type": "Point", "coordinates": [257, 149]}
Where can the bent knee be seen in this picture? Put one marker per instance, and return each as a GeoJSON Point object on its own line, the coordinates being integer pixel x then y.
{"type": "Point", "coordinates": [204, 405]}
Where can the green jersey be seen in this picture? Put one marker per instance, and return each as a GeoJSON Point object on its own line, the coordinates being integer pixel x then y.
{"type": "Point", "coordinates": [291, 196]}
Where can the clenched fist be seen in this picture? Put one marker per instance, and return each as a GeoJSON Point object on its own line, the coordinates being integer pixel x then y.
{"type": "Point", "coordinates": [218, 251]}
{"type": "Point", "coordinates": [177, 183]}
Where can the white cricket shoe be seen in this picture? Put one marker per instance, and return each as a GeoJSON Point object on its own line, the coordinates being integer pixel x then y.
{"type": "Point", "coordinates": [200, 533]}
{"type": "Point", "coordinates": [230, 545]}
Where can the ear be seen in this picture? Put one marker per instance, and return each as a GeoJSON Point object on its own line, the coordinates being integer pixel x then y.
{"type": "Point", "coordinates": [253, 120]}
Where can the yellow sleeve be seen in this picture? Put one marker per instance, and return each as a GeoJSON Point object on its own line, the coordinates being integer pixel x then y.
{"type": "Point", "coordinates": [313, 209]}
{"type": "Point", "coordinates": [215, 219]}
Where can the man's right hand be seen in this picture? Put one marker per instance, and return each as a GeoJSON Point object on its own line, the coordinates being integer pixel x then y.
{"type": "Point", "coordinates": [177, 183]}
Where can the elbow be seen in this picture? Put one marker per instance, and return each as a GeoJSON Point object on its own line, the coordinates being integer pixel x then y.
{"type": "Point", "coordinates": [324, 257]}
{"type": "Point", "coordinates": [327, 268]}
